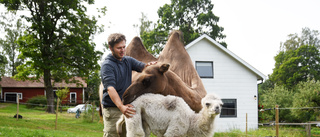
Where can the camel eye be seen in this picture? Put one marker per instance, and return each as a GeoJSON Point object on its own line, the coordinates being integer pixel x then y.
{"type": "Point", "coordinates": [146, 81]}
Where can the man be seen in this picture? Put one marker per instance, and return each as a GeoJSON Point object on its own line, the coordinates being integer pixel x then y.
{"type": "Point", "coordinates": [116, 75]}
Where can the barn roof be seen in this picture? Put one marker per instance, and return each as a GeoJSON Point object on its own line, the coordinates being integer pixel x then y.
{"type": "Point", "coordinates": [10, 82]}
{"type": "Point", "coordinates": [260, 75]}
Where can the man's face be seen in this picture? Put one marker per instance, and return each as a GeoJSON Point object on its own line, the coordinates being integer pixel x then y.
{"type": "Point", "coordinates": [118, 50]}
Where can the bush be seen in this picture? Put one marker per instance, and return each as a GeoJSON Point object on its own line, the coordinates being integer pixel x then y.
{"type": "Point", "coordinates": [307, 96]}
{"type": "Point", "coordinates": [37, 101]}
{"type": "Point", "coordinates": [281, 96]}
{"type": "Point", "coordinates": [87, 116]}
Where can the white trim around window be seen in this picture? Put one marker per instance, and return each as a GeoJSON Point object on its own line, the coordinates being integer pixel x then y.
{"type": "Point", "coordinates": [75, 97]}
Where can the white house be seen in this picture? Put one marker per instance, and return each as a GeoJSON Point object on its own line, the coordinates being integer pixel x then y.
{"type": "Point", "coordinates": [234, 80]}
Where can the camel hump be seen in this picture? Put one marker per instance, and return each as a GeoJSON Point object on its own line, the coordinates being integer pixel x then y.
{"type": "Point", "coordinates": [137, 50]}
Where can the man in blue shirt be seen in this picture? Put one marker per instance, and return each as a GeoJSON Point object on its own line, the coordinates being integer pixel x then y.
{"type": "Point", "coordinates": [116, 75]}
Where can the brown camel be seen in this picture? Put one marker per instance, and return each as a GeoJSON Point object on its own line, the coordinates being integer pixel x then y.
{"type": "Point", "coordinates": [181, 79]}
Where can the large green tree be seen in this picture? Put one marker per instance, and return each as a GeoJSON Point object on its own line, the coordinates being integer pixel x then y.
{"type": "Point", "coordinates": [13, 28]}
{"type": "Point", "coordinates": [294, 66]}
{"type": "Point", "coordinates": [297, 60]}
{"type": "Point", "coordinates": [192, 17]}
{"type": "Point", "coordinates": [58, 44]}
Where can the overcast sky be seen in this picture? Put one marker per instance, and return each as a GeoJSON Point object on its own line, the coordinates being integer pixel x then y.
{"type": "Point", "coordinates": [254, 28]}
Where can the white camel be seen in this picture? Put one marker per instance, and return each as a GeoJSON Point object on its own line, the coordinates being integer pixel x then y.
{"type": "Point", "coordinates": [170, 116]}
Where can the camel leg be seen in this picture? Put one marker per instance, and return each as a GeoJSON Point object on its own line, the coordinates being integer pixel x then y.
{"type": "Point", "coordinates": [134, 126]}
{"type": "Point", "coordinates": [177, 128]}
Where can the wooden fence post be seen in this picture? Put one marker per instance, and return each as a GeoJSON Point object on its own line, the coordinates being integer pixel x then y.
{"type": "Point", "coordinates": [246, 124]}
{"type": "Point", "coordinates": [308, 130]}
{"type": "Point", "coordinates": [57, 113]}
{"type": "Point", "coordinates": [17, 106]}
{"type": "Point", "coordinates": [277, 120]}
{"type": "Point", "coordinates": [92, 104]}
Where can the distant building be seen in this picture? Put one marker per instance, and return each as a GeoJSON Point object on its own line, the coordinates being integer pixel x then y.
{"type": "Point", "coordinates": [234, 80]}
{"type": "Point", "coordinates": [10, 88]}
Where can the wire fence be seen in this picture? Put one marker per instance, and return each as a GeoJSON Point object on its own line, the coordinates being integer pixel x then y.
{"type": "Point", "coordinates": [274, 124]}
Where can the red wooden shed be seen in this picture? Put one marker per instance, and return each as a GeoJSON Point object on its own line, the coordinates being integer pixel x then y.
{"type": "Point", "coordinates": [10, 88]}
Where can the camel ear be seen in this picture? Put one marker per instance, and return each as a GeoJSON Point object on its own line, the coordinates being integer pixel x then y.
{"type": "Point", "coordinates": [164, 68]}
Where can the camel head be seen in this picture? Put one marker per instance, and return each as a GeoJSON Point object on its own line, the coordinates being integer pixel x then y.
{"type": "Point", "coordinates": [151, 80]}
{"type": "Point", "coordinates": [212, 103]}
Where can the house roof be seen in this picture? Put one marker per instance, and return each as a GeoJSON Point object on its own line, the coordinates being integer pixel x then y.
{"type": "Point", "coordinates": [10, 82]}
{"type": "Point", "coordinates": [260, 75]}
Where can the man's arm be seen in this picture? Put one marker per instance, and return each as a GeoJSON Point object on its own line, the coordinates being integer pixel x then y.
{"type": "Point", "coordinates": [127, 110]}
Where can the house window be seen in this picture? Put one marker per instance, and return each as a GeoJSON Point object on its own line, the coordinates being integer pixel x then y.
{"type": "Point", "coordinates": [204, 69]}
{"type": "Point", "coordinates": [73, 97]}
{"type": "Point", "coordinates": [229, 108]}
{"type": "Point", "coordinates": [12, 97]}
{"type": "Point", "coordinates": [20, 95]}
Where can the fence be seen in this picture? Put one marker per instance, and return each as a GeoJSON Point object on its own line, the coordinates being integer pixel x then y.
{"type": "Point", "coordinates": [57, 106]}
{"type": "Point", "coordinates": [307, 125]}
{"type": "Point", "coordinates": [276, 124]}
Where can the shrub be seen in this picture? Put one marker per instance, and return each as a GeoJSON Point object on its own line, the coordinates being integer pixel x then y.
{"type": "Point", "coordinates": [307, 96]}
{"type": "Point", "coordinates": [281, 96]}
{"type": "Point", "coordinates": [37, 101]}
{"type": "Point", "coordinates": [87, 116]}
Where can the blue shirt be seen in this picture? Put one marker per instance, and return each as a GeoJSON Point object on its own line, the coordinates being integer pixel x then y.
{"type": "Point", "coordinates": [117, 74]}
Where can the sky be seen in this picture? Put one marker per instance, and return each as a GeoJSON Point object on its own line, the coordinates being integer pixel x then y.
{"type": "Point", "coordinates": [254, 29]}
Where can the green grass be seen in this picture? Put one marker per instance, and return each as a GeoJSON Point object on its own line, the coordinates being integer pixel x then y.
{"type": "Point", "coordinates": [266, 131]}
{"type": "Point", "coordinates": [37, 123]}
{"type": "Point", "coordinates": [41, 124]}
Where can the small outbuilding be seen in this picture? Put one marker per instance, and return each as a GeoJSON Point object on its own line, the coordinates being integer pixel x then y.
{"type": "Point", "coordinates": [234, 80]}
{"type": "Point", "coordinates": [10, 89]}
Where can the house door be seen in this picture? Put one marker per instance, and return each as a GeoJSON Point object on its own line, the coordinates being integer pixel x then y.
{"type": "Point", "coordinates": [10, 97]}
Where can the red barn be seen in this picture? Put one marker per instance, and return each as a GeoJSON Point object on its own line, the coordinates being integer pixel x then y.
{"type": "Point", "coordinates": [10, 88]}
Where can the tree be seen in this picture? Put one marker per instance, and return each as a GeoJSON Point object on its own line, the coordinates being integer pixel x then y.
{"type": "Point", "coordinates": [62, 93]}
{"type": "Point", "coordinates": [307, 96]}
{"type": "Point", "coordinates": [192, 17]}
{"type": "Point", "coordinates": [148, 35]}
{"type": "Point", "coordinates": [154, 41]}
{"type": "Point", "coordinates": [3, 62]}
{"type": "Point", "coordinates": [145, 24]}
{"type": "Point", "coordinates": [308, 37]}
{"type": "Point", "coordinates": [298, 59]}
{"type": "Point", "coordinates": [58, 44]}
{"type": "Point", "coordinates": [13, 29]}
{"type": "Point", "coordinates": [93, 83]}
{"type": "Point", "coordinates": [298, 65]}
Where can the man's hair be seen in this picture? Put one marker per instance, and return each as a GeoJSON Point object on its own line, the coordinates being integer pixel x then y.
{"type": "Point", "coordinates": [115, 38]}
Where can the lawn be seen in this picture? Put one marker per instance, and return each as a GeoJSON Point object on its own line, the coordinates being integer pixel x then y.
{"type": "Point", "coordinates": [41, 124]}
{"type": "Point", "coordinates": [37, 123]}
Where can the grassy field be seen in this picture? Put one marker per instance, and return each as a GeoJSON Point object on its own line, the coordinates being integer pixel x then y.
{"type": "Point", "coordinates": [41, 124]}
{"type": "Point", "coordinates": [37, 123]}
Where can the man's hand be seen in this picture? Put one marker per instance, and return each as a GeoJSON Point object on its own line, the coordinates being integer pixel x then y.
{"type": "Point", "coordinates": [151, 63]}
{"type": "Point", "coordinates": [128, 110]}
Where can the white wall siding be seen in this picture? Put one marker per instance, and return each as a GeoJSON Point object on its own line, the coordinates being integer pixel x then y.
{"type": "Point", "coordinates": [231, 80]}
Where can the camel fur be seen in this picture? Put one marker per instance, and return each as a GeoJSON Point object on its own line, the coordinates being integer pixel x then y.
{"type": "Point", "coordinates": [170, 116]}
